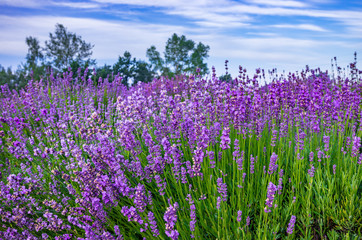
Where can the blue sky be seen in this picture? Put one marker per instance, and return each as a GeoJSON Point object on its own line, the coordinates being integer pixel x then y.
{"type": "Point", "coordinates": [282, 34]}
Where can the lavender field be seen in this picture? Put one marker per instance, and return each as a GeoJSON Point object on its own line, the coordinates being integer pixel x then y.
{"type": "Point", "coordinates": [183, 158]}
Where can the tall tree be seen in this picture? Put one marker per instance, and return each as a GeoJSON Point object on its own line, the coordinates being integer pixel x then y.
{"type": "Point", "coordinates": [142, 72]}
{"type": "Point", "coordinates": [35, 53]}
{"type": "Point", "coordinates": [65, 47]}
{"type": "Point", "coordinates": [181, 56]}
{"type": "Point", "coordinates": [197, 58]}
{"type": "Point", "coordinates": [125, 67]}
{"type": "Point", "coordinates": [35, 64]}
{"type": "Point", "coordinates": [132, 70]}
{"type": "Point", "coordinates": [177, 53]}
{"type": "Point", "coordinates": [155, 58]}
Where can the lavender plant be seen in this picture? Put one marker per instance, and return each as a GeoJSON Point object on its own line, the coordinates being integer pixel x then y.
{"type": "Point", "coordinates": [182, 158]}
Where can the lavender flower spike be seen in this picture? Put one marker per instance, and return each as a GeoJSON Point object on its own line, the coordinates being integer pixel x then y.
{"type": "Point", "coordinates": [270, 197]}
{"type": "Point", "coordinates": [170, 218]}
{"type": "Point", "coordinates": [291, 225]}
{"type": "Point", "coordinates": [272, 166]}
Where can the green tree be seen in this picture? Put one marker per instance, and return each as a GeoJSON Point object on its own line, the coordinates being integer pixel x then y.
{"type": "Point", "coordinates": [181, 56]}
{"type": "Point", "coordinates": [131, 70]}
{"type": "Point", "coordinates": [155, 59]}
{"type": "Point", "coordinates": [15, 80]}
{"type": "Point", "coordinates": [125, 66]}
{"type": "Point", "coordinates": [35, 66]}
{"type": "Point", "coordinates": [177, 53]}
{"type": "Point", "coordinates": [142, 72]}
{"type": "Point", "coordinates": [197, 58]}
{"type": "Point", "coordinates": [35, 53]}
{"type": "Point", "coordinates": [104, 72]}
{"type": "Point", "coordinates": [226, 77]}
{"type": "Point", "coordinates": [65, 47]}
{"type": "Point", "coordinates": [7, 77]}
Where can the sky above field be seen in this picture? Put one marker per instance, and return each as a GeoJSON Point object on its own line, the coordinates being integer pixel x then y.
{"type": "Point", "coordinates": [282, 34]}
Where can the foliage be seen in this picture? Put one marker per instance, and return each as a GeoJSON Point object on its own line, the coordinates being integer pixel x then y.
{"type": "Point", "coordinates": [18, 79]}
{"type": "Point", "coordinates": [226, 77]}
{"type": "Point", "coordinates": [181, 56]}
{"type": "Point", "coordinates": [7, 77]}
{"type": "Point", "coordinates": [130, 69]}
{"type": "Point", "coordinates": [65, 47]}
{"type": "Point", "coordinates": [34, 55]}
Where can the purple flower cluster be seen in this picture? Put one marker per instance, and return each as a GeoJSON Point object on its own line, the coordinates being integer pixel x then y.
{"type": "Point", "coordinates": [153, 224]}
{"type": "Point", "coordinates": [356, 146]}
{"type": "Point", "coordinates": [270, 197]}
{"type": "Point", "coordinates": [239, 216]}
{"type": "Point", "coordinates": [170, 218]}
{"type": "Point", "coordinates": [291, 225]}
{"type": "Point", "coordinates": [222, 189]}
{"type": "Point", "coordinates": [252, 162]}
{"type": "Point", "coordinates": [192, 214]}
{"type": "Point", "coordinates": [273, 167]}
{"type": "Point", "coordinates": [225, 139]}
{"type": "Point", "coordinates": [311, 170]}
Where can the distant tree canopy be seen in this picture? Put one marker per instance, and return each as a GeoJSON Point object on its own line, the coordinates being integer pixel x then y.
{"type": "Point", "coordinates": [14, 80]}
{"type": "Point", "coordinates": [65, 47]}
{"type": "Point", "coordinates": [130, 69]}
{"type": "Point", "coordinates": [66, 50]}
{"type": "Point", "coordinates": [181, 56]}
{"type": "Point", "coordinates": [60, 51]}
{"type": "Point", "coordinates": [35, 53]}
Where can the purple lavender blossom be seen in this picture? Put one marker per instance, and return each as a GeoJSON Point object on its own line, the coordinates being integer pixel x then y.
{"type": "Point", "coordinates": [251, 164]}
{"type": "Point", "coordinates": [239, 216]}
{"type": "Point", "coordinates": [270, 197]}
{"type": "Point", "coordinates": [192, 213]}
{"type": "Point", "coordinates": [153, 224]}
{"type": "Point", "coordinates": [140, 199]}
{"type": "Point", "coordinates": [240, 160]}
{"type": "Point", "coordinates": [291, 225]}
{"type": "Point", "coordinates": [273, 167]}
{"type": "Point", "coordinates": [218, 201]}
{"type": "Point", "coordinates": [280, 186]}
{"type": "Point", "coordinates": [212, 157]}
{"type": "Point", "coordinates": [311, 156]}
{"type": "Point", "coordinates": [222, 189]}
{"type": "Point", "coordinates": [225, 139]}
{"type": "Point", "coordinates": [320, 155]}
{"type": "Point", "coordinates": [311, 170]}
{"type": "Point", "coordinates": [326, 143]}
{"type": "Point", "coordinates": [236, 148]}
{"type": "Point", "coordinates": [356, 146]}
{"type": "Point", "coordinates": [170, 218]}
{"type": "Point", "coordinates": [116, 230]}
{"type": "Point", "coordinates": [131, 214]}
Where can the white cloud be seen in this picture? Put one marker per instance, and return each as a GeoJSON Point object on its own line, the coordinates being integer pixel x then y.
{"type": "Point", "coordinates": [111, 38]}
{"type": "Point", "coordinates": [81, 5]}
{"type": "Point", "coordinates": [232, 29]}
{"type": "Point", "coordinates": [280, 3]}
{"type": "Point", "coordinates": [155, 3]}
{"type": "Point", "coordinates": [309, 27]}
{"type": "Point", "coordinates": [22, 3]}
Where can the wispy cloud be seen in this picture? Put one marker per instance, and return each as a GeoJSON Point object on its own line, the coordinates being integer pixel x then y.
{"type": "Point", "coordinates": [111, 38]}
{"type": "Point", "coordinates": [280, 3]}
{"type": "Point", "coordinates": [248, 31]}
{"type": "Point", "coordinates": [80, 5]}
{"type": "Point", "coordinates": [22, 3]}
{"type": "Point", "coordinates": [309, 27]}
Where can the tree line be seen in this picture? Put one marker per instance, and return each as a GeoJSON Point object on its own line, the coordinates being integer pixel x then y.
{"type": "Point", "coordinates": [66, 51]}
